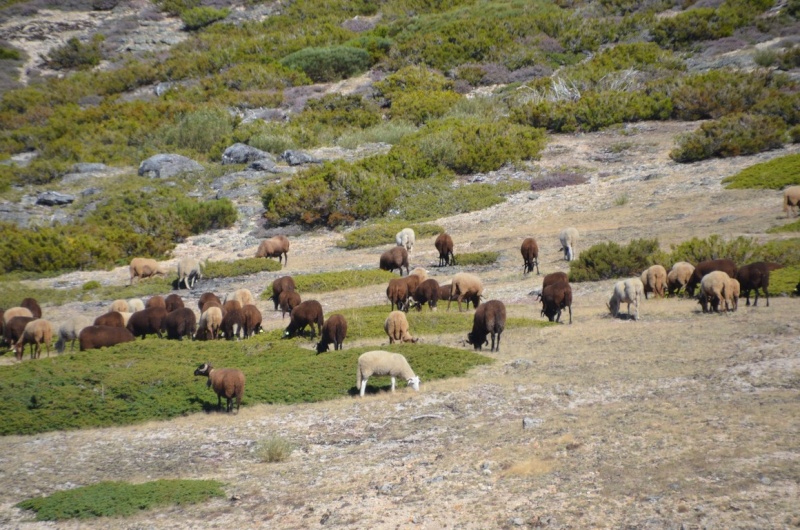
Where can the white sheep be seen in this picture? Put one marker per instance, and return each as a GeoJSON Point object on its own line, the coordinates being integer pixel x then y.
{"type": "Point", "coordinates": [119, 305]}
{"type": "Point", "coordinates": [715, 288]}
{"type": "Point", "coordinates": [226, 382]}
{"type": "Point", "coordinates": [243, 296]}
{"type": "Point", "coordinates": [396, 327]}
{"type": "Point", "coordinates": [628, 291]}
{"type": "Point", "coordinates": [36, 333]}
{"type": "Point", "coordinates": [405, 238]}
{"type": "Point", "coordinates": [791, 200]}
{"type": "Point", "coordinates": [381, 362]}
{"type": "Point", "coordinates": [209, 323]}
{"type": "Point", "coordinates": [654, 279]}
{"type": "Point", "coordinates": [189, 271]}
{"type": "Point", "coordinates": [679, 276]}
{"type": "Point", "coordinates": [465, 285]}
{"type": "Point", "coordinates": [70, 331]}
{"type": "Point", "coordinates": [135, 304]}
{"type": "Point", "coordinates": [145, 268]}
{"type": "Point", "coordinates": [569, 238]}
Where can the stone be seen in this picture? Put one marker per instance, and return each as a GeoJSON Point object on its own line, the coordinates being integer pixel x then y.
{"type": "Point", "coordinates": [242, 154]}
{"type": "Point", "coordinates": [265, 164]}
{"type": "Point", "coordinates": [89, 167]}
{"type": "Point", "coordinates": [164, 166]}
{"type": "Point", "coordinates": [54, 198]}
{"type": "Point", "coordinates": [297, 158]}
{"type": "Point", "coordinates": [531, 423]}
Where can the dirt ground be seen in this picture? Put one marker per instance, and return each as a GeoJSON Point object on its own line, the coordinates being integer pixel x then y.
{"type": "Point", "coordinates": [679, 420]}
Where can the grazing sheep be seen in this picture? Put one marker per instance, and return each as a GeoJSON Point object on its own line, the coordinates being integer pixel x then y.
{"type": "Point", "coordinates": [173, 302]}
{"type": "Point", "coordinates": [33, 306]}
{"type": "Point", "coordinates": [147, 322]}
{"type": "Point", "coordinates": [274, 247]}
{"type": "Point", "coordinates": [112, 318]}
{"type": "Point", "coordinates": [444, 293]}
{"type": "Point", "coordinates": [179, 323]}
{"type": "Point", "coordinates": [226, 382]}
{"type": "Point", "coordinates": [555, 297]}
{"type": "Point", "coordinates": [397, 293]}
{"type": "Point", "coordinates": [145, 268]}
{"type": "Point", "coordinates": [279, 285]}
{"type": "Point", "coordinates": [465, 285]}
{"type": "Point", "coordinates": [205, 298]}
{"type": "Point", "coordinates": [628, 291]}
{"type": "Point", "coordinates": [243, 296]}
{"type": "Point", "coordinates": [126, 317]}
{"type": "Point", "coordinates": [308, 313]}
{"type": "Point", "coordinates": [36, 332]}
{"type": "Point", "coordinates": [396, 327]}
{"type": "Point", "coordinates": [380, 362]}
{"type": "Point", "coordinates": [94, 337]}
{"type": "Point", "coordinates": [231, 304]}
{"type": "Point", "coordinates": [654, 280]}
{"type": "Point", "coordinates": [394, 258]}
{"type": "Point", "coordinates": [791, 200]}
{"type": "Point", "coordinates": [288, 300]}
{"type": "Point", "coordinates": [715, 288]}
{"type": "Point", "coordinates": [209, 324]}
{"type": "Point", "coordinates": [568, 238]}
{"type": "Point", "coordinates": [444, 244]}
{"type": "Point", "coordinates": [733, 291]}
{"type": "Point", "coordinates": [189, 271]}
{"type": "Point", "coordinates": [679, 276]}
{"type": "Point", "coordinates": [252, 320]}
{"type": "Point", "coordinates": [406, 238]}
{"type": "Point", "coordinates": [334, 330]}
{"type": "Point", "coordinates": [489, 319]}
{"type": "Point", "coordinates": [704, 267]}
{"type": "Point", "coordinates": [554, 277]}
{"type": "Point", "coordinates": [754, 276]}
{"type": "Point", "coordinates": [156, 301]}
{"type": "Point", "coordinates": [530, 255]}
{"type": "Point", "coordinates": [427, 293]}
{"type": "Point", "coordinates": [16, 311]}
{"type": "Point", "coordinates": [70, 330]}
{"type": "Point", "coordinates": [232, 322]}
{"type": "Point", "coordinates": [135, 304]}
{"type": "Point", "coordinates": [120, 306]}
{"type": "Point", "coordinates": [13, 329]}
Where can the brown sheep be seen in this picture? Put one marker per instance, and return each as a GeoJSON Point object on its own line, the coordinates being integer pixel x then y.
{"type": "Point", "coordinates": [308, 313]}
{"type": "Point", "coordinates": [530, 255]}
{"type": "Point", "coordinates": [210, 322]}
{"type": "Point", "coordinates": [16, 311]}
{"type": "Point", "coordinates": [33, 306]}
{"type": "Point", "coordinates": [444, 244]}
{"type": "Point", "coordinates": [489, 319]}
{"type": "Point", "coordinates": [147, 322]}
{"type": "Point", "coordinates": [112, 318]}
{"type": "Point", "coordinates": [13, 329]}
{"type": "Point", "coordinates": [395, 258]}
{"type": "Point", "coordinates": [791, 200]}
{"type": "Point", "coordinates": [156, 301]}
{"type": "Point", "coordinates": [145, 268]}
{"type": "Point", "coordinates": [226, 382]}
{"type": "Point", "coordinates": [755, 276]}
{"type": "Point", "coordinates": [252, 320]}
{"type": "Point", "coordinates": [94, 337]}
{"type": "Point", "coordinates": [704, 267]}
{"type": "Point", "coordinates": [444, 293]}
{"type": "Point", "coordinates": [231, 304]}
{"type": "Point", "coordinates": [465, 285]}
{"type": "Point", "coordinates": [36, 332]}
{"type": "Point", "coordinates": [556, 297]}
{"type": "Point", "coordinates": [243, 296]}
{"type": "Point", "coordinates": [232, 322]}
{"type": "Point", "coordinates": [427, 293]}
{"type": "Point", "coordinates": [279, 285]}
{"type": "Point", "coordinates": [397, 293]}
{"type": "Point", "coordinates": [173, 302]}
{"type": "Point", "coordinates": [288, 300]}
{"type": "Point", "coordinates": [396, 327]}
{"type": "Point", "coordinates": [207, 297]}
{"type": "Point", "coordinates": [180, 323]}
{"type": "Point", "coordinates": [334, 330]}
{"type": "Point", "coordinates": [654, 280]}
{"type": "Point", "coordinates": [274, 247]}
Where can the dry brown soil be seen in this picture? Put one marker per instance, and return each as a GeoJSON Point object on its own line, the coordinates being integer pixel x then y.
{"type": "Point", "coordinates": [679, 420]}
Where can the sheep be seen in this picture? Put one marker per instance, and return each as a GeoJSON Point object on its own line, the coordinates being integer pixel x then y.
{"type": "Point", "coordinates": [654, 279]}
{"type": "Point", "coordinates": [308, 313]}
{"type": "Point", "coordinates": [628, 291]}
{"type": "Point", "coordinates": [397, 293]}
{"type": "Point", "coordinates": [231, 304]}
{"type": "Point", "coordinates": [568, 238]}
{"type": "Point", "coordinates": [126, 317]}
{"type": "Point", "coordinates": [489, 319]}
{"type": "Point", "coordinates": [791, 200]}
{"type": "Point", "coordinates": [704, 267]}
{"type": "Point", "coordinates": [70, 330]}
{"type": "Point", "coordinates": [205, 298]}
{"type": "Point", "coordinates": [754, 276]}
{"type": "Point", "coordinates": [288, 300]}
{"type": "Point", "coordinates": [554, 277]}
{"type": "Point", "coordinates": [94, 337]}
{"type": "Point", "coordinates": [252, 320]}
{"type": "Point", "coordinates": [243, 296]}
{"type": "Point", "coordinates": [380, 362]}
{"type": "Point", "coordinates": [209, 324]}
{"type": "Point", "coordinates": [555, 297]}
{"type": "Point", "coordinates": [13, 329]}
{"type": "Point", "coordinates": [444, 244]}
{"type": "Point", "coordinates": [135, 304]}
{"type": "Point", "coordinates": [444, 293]}
{"type": "Point", "coordinates": [733, 291]}
{"type": "Point", "coordinates": [334, 330]}
{"type": "Point", "coordinates": [274, 247]}
{"type": "Point", "coordinates": [427, 292]}
{"type": "Point", "coordinates": [226, 382]}
{"type": "Point", "coordinates": [189, 271]}
{"type": "Point", "coordinates": [232, 322]}
{"type": "Point", "coordinates": [120, 306]}
{"type": "Point", "coordinates": [395, 258]}
{"type": "Point", "coordinates": [465, 285]}
{"type": "Point", "coordinates": [33, 306]}
{"type": "Point", "coordinates": [279, 285]}
{"type": "Point", "coordinates": [149, 321]}
{"type": "Point", "coordinates": [145, 268]}
{"type": "Point", "coordinates": [35, 333]}
{"type": "Point", "coordinates": [715, 287]}
{"type": "Point", "coordinates": [180, 323]}
{"type": "Point", "coordinates": [530, 255]}
{"type": "Point", "coordinates": [405, 238]}
{"type": "Point", "coordinates": [112, 318]}
{"type": "Point", "coordinates": [678, 276]}
{"type": "Point", "coordinates": [173, 302]}
{"type": "Point", "coordinates": [16, 311]}
{"type": "Point", "coordinates": [156, 301]}
{"type": "Point", "coordinates": [396, 327]}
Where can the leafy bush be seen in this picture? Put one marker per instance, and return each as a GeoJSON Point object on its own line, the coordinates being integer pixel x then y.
{"type": "Point", "coordinates": [329, 64]}
{"type": "Point", "coordinates": [176, 7]}
{"type": "Point", "coordinates": [789, 227]}
{"type": "Point", "coordinates": [200, 17]}
{"type": "Point", "coordinates": [734, 135]}
{"type": "Point", "coordinates": [784, 281]}
{"type": "Point", "coordinates": [477, 258]}
{"type": "Point", "coordinates": [785, 251]}
{"type": "Point", "coordinates": [412, 79]}
{"type": "Point", "coordinates": [239, 267]}
{"type": "Point", "coordinates": [419, 107]}
{"type": "Point", "coordinates": [201, 130]}
{"type": "Point", "coordinates": [336, 110]}
{"type": "Point", "coordinates": [388, 132]}
{"type": "Point", "coordinates": [435, 198]}
{"type": "Point", "coordinates": [775, 174]}
{"type": "Point", "coordinates": [120, 499]}
{"type": "Point", "coordinates": [324, 282]}
{"type": "Point", "coordinates": [715, 93]}
{"type": "Point", "coordinates": [741, 250]}
{"type": "Point", "coordinates": [383, 233]}
{"type": "Point", "coordinates": [611, 260]}
{"type": "Point", "coordinates": [75, 54]}
{"type": "Point", "coordinates": [274, 449]}
{"type": "Point", "coordinates": [91, 285]}
{"type": "Point", "coordinates": [9, 54]}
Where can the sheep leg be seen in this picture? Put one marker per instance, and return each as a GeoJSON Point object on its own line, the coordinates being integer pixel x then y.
{"type": "Point", "coordinates": [393, 381]}
{"type": "Point", "coordinates": [363, 388]}
{"type": "Point", "coordinates": [766, 294]}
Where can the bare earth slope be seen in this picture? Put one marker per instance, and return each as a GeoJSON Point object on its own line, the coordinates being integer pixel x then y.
{"type": "Point", "coordinates": [680, 420]}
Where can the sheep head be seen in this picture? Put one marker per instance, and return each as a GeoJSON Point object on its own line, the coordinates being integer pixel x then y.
{"type": "Point", "coordinates": [413, 382]}
{"type": "Point", "coordinates": [203, 369]}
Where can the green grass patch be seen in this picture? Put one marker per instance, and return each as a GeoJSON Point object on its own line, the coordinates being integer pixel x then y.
{"type": "Point", "coordinates": [790, 227]}
{"type": "Point", "coordinates": [12, 293]}
{"type": "Point", "coordinates": [239, 267]}
{"type": "Point", "coordinates": [383, 234]}
{"type": "Point", "coordinates": [784, 281]}
{"type": "Point", "coordinates": [477, 258]}
{"type": "Point", "coordinates": [324, 282]}
{"type": "Point", "coordinates": [773, 175]}
{"type": "Point", "coordinates": [120, 499]}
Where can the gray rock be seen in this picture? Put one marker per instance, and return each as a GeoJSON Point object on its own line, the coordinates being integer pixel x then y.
{"type": "Point", "coordinates": [14, 213]}
{"type": "Point", "coordinates": [265, 164]}
{"type": "Point", "coordinates": [162, 88]}
{"type": "Point", "coordinates": [243, 154]}
{"type": "Point", "coordinates": [54, 198]}
{"type": "Point", "coordinates": [531, 423]}
{"type": "Point", "coordinates": [297, 158]}
{"type": "Point", "coordinates": [88, 167]}
{"type": "Point", "coordinates": [167, 165]}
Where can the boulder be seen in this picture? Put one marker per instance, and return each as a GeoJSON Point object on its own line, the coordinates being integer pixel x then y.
{"type": "Point", "coordinates": [265, 164]}
{"type": "Point", "coordinates": [167, 165]}
{"type": "Point", "coordinates": [297, 158]}
{"type": "Point", "coordinates": [243, 154]}
{"type": "Point", "coordinates": [54, 198]}
{"type": "Point", "coordinates": [88, 167]}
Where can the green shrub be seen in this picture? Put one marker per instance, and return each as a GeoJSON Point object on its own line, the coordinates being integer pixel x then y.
{"type": "Point", "coordinates": [775, 174]}
{"type": "Point", "coordinates": [412, 79]}
{"type": "Point", "coordinates": [780, 105]}
{"type": "Point", "coordinates": [255, 76]}
{"type": "Point", "coordinates": [785, 251]}
{"type": "Point", "coordinates": [120, 499]}
{"type": "Point", "coordinates": [611, 260]}
{"type": "Point", "coordinates": [741, 250]}
{"type": "Point", "coordinates": [91, 285]}
{"type": "Point", "coordinates": [784, 281]}
{"type": "Point", "coordinates": [378, 47]}
{"type": "Point", "coordinates": [274, 449]}
{"type": "Point", "coordinates": [9, 54]}
{"type": "Point", "coordinates": [789, 227]}
{"type": "Point", "coordinates": [200, 17]}
{"type": "Point", "coordinates": [388, 132]}
{"type": "Point", "coordinates": [201, 130]}
{"type": "Point", "coordinates": [716, 93]}
{"type": "Point", "coordinates": [75, 54]}
{"type": "Point", "coordinates": [324, 282]}
{"type": "Point", "coordinates": [477, 258]}
{"type": "Point", "coordinates": [419, 107]}
{"type": "Point", "coordinates": [435, 198]}
{"type": "Point", "coordinates": [176, 7]}
{"type": "Point", "coordinates": [734, 135]}
{"type": "Point", "coordinates": [329, 64]}
{"type": "Point", "coordinates": [377, 234]}
{"type": "Point", "coordinates": [239, 267]}
{"type": "Point", "coordinates": [337, 110]}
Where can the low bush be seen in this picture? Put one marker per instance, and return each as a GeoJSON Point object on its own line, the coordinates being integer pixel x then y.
{"type": "Point", "coordinates": [716, 93]}
{"type": "Point", "coordinates": [383, 233]}
{"type": "Point", "coordinates": [387, 132]}
{"type": "Point", "coordinates": [434, 198]}
{"type": "Point", "coordinates": [200, 17]}
{"type": "Point", "coordinates": [324, 282]}
{"type": "Point", "coordinates": [784, 281]}
{"type": "Point", "coordinates": [412, 79]}
{"type": "Point", "coordinates": [339, 111]}
{"type": "Point", "coordinates": [789, 227]}
{"type": "Point", "coordinates": [611, 260]}
{"type": "Point", "coordinates": [202, 130]}
{"type": "Point", "coordinates": [775, 174]}
{"type": "Point", "coordinates": [274, 449]}
{"type": "Point", "coordinates": [120, 499]}
{"type": "Point", "coordinates": [419, 107]}
{"type": "Point", "coordinates": [328, 64]}
{"type": "Point", "coordinates": [741, 250]}
{"type": "Point", "coordinates": [9, 54]}
{"type": "Point", "coordinates": [734, 135]}
{"type": "Point", "coordinates": [785, 251]}
{"type": "Point", "coordinates": [239, 267]}
{"type": "Point", "coordinates": [477, 258]}
{"type": "Point", "coordinates": [76, 54]}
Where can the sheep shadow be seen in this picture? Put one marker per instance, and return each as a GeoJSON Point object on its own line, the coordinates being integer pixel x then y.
{"type": "Point", "coordinates": [209, 407]}
{"type": "Point", "coordinates": [373, 390]}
